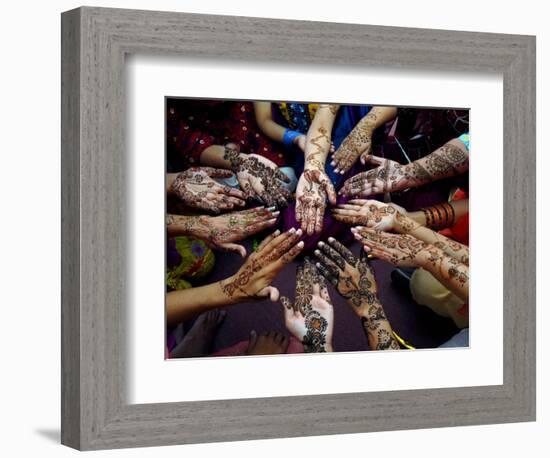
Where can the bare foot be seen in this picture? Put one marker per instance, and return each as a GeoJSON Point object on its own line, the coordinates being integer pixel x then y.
{"type": "Point", "coordinates": [198, 340]}
{"type": "Point", "coordinates": [269, 343]}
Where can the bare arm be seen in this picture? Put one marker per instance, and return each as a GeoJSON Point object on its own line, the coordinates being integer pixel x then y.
{"type": "Point", "coordinates": [252, 281]}
{"type": "Point", "coordinates": [390, 176]}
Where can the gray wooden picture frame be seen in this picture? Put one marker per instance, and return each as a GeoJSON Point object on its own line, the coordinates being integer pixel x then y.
{"type": "Point", "coordinates": [95, 41]}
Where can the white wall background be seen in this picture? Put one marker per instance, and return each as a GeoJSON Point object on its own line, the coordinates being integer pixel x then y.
{"type": "Point", "coordinates": [30, 213]}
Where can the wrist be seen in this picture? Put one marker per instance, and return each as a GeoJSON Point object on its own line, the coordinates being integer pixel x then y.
{"type": "Point", "coordinates": [315, 164]}
{"type": "Point", "coordinates": [230, 291]}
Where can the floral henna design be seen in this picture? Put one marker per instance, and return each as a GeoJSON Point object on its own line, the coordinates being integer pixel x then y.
{"type": "Point", "coordinates": [353, 277]}
{"type": "Point", "coordinates": [196, 188]}
{"type": "Point", "coordinates": [400, 250]}
{"type": "Point", "coordinates": [258, 176]}
{"type": "Point", "coordinates": [315, 339]}
{"type": "Point", "coordinates": [356, 144]}
{"type": "Point", "coordinates": [310, 318]}
{"type": "Point", "coordinates": [220, 232]}
{"type": "Point", "coordinates": [313, 190]}
{"type": "Point", "coordinates": [254, 278]}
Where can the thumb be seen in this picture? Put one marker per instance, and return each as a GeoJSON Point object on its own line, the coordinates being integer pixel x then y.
{"type": "Point", "coordinates": [270, 291]}
{"type": "Point", "coordinates": [375, 160]}
{"type": "Point", "coordinates": [232, 247]}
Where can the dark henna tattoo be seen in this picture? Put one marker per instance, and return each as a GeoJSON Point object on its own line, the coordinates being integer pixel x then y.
{"type": "Point", "coordinates": [315, 339]}
{"type": "Point", "coordinates": [270, 178]}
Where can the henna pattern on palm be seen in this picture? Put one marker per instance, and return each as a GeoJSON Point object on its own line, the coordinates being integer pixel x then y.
{"type": "Point", "coordinates": [310, 317]}
{"type": "Point", "coordinates": [314, 187]}
{"type": "Point", "coordinates": [196, 189]}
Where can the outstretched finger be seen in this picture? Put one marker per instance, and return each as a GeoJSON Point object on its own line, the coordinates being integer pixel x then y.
{"type": "Point", "coordinates": [330, 275]}
{"type": "Point", "coordinates": [276, 241]}
{"type": "Point", "coordinates": [331, 193]}
{"type": "Point", "coordinates": [260, 226]}
{"type": "Point", "coordinates": [319, 216]}
{"type": "Point", "coordinates": [342, 250]}
{"type": "Point", "coordinates": [334, 256]}
{"type": "Point", "coordinates": [267, 240]}
{"type": "Point", "coordinates": [309, 220]}
{"type": "Point", "coordinates": [299, 212]}
{"type": "Point", "coordinates": [292, 253]}
{"type": "Point", "coordinates": [326, 261]}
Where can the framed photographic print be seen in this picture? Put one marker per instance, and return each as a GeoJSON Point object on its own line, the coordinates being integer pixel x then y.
{"type": "Point", "coordinates": [269, 226]}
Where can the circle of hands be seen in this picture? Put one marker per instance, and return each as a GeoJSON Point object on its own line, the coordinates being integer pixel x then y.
{"type": "Point", "coordinates": [310, 318]}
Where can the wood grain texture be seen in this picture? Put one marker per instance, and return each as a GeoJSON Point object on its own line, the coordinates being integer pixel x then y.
{"type": "Point", "coordinates": [96, 414]}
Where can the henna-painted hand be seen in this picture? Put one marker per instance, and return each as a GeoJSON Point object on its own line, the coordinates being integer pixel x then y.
{"type": "Point", "coordinates": [352, 276]}
{"type": "Point", "coordinates": [253, 279]}
{"type": "Point", "coordinates": [220, 232]}
{"type": "Point", "coordinates": [311, 318]}
{"type": "Point", "coordinates": [196, 189]}
{"type": "Point", "coordinates": [314, 187]}
{"type": "Point", "coordinates": [384, 178]}
{"type": "Point", "coordinates": [357, 144]}
{"type": "Point", "coordinates": [370, 213]}
{"type": "Point", "coordinates": [258, 176]}
{"type": "Point", "coordinates": [401, 250]}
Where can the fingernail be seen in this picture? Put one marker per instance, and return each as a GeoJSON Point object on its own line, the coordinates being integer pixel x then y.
{"type": "Point", "coordinates": [291, 231]}
{"type": "Point", "coordinates": [320, 244]}
{"type": "Point", "coordinates": [277, 213]}
{"type": "Point", "coordinates": [272, 208]}
{"type": "Point", "coordinates": [299, 232]}
{"type": "Point", "coordinates": [353, 229]}
{"type": "Point", "coordinates": [317, 252]}
{"type": "Point", "coordinates": [331, 239]}
{"type": "Point", "coordinates": [301, 244]}
{"type": "Point", "coordinates": [277, 232]}
{"type": "Point", "coordinates": [360, 228]}
{"type": "Point", "coordinates": [336, 171]}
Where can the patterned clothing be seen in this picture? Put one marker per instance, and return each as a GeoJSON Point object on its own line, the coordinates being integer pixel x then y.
{"type": "Point", "coordinates": [194, 125]}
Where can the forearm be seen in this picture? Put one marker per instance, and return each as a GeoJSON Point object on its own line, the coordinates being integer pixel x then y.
{"type": "Point", "coordinates": [186, 304]}
{"type": "Point", "coordinates": [449, 271]}
{"type": "Point", "coordinates": [319, 137]}
{"type": "Point", "coordinates": [425, 216]}
{"type": "Point", "coordinates": [406, 225]}
{"type": "Point", "coordinates": [449, 160]}
{"type": "Point", "coordinates": [377, 327]}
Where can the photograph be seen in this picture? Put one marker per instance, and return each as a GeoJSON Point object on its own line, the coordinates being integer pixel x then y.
{"type": "Point", "coordinates": [297, 227]}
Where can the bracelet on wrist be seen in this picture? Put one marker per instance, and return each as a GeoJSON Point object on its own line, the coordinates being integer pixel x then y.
{"type": "Point", "coordinates": [289, 136]}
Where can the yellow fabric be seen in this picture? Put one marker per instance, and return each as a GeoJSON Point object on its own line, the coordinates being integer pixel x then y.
{"type": "Point", "coordinates": [427, 290]}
